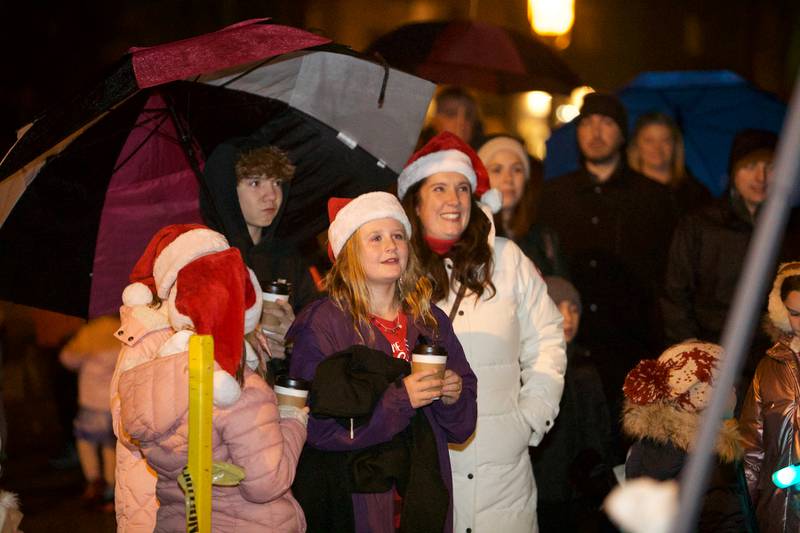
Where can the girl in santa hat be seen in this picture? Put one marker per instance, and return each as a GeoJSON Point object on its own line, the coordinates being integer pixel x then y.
{"type": "Point", "coordinates": [189, 281]}
{"type": "Point", "coordinates": [509, 327]}
{"type": "Point", "coordinates": [369, 464]}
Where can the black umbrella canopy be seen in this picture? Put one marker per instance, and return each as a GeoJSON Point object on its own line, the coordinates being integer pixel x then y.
{"type": "Point", "coordinates": [89, 182]}
{"type": "Point", "coordinates": [476, 54]}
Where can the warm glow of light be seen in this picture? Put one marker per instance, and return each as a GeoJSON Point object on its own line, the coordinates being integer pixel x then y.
{"type": "Point", "coordinates": [538, 103]}
{"type": "Point", "coordinates": [577, 94]}
{"type": "Point", "coordinates": [566, 112]}
{"type": "Point", "coordinates": [551, 17]}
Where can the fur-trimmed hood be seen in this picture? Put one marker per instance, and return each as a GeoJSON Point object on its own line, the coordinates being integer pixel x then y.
{"type": "Point", "coordinates": [665, 424]}
{"type": "Point", "coordinates": [776, 323]}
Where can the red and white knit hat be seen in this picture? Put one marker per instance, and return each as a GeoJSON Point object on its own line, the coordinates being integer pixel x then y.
{"type": "Point", "coordinates": [448, 153]}
{"type": "Point", "coordinates": [349, 214]}
{"type": "Point", "coordinates": [776, 311]}
{"type": "Point", "coordinates": [683, 375]}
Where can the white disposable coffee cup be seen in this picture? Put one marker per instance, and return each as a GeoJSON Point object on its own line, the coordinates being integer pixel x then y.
{"type": "Point", "coordinates": [291, 391]}
{"type": "Point", "coordinates": [422, 362]}
{"type": "Point", "coordinates": [273, 297]}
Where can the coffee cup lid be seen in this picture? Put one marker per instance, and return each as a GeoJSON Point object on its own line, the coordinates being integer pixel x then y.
{"type": "Point", "coordinates": [430, 349]}
{"type": "Point", "coordinates": [279, 286]}
{"type": "Point", "coordinates": [293, 383]}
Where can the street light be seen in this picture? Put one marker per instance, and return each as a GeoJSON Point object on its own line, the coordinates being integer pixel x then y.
{"type": "Point", "coordinates": [551, 18]}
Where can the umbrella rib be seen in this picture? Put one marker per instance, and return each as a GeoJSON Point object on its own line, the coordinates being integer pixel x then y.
{"type": "Point", "coordinates": [141, 144]}
{"type": "Point", "coordinates": [248, 71]}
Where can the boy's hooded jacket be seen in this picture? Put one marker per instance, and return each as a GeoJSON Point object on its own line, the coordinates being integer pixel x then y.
{"type": "Point", "coordinates": [271, 258]}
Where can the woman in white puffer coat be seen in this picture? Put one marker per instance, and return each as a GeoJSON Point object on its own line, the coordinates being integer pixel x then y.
{"type": "Point", "coordinates": [510, 330]}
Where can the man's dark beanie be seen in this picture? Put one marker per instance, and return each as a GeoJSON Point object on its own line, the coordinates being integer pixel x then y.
{"type": "Point", "coordinates": [749, 141]}
{"type": "Point", "coordinates": [608, 105]}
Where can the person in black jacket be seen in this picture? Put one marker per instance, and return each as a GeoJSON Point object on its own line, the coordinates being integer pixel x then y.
{"type": "Point", "coordinates": [247, 186]}
{"type": "Point", "coordinates": [614, 226]}
{"type": "Point", "coordinates": [571, 464]}
{"type": "Point", "coordinates": [709, 247]}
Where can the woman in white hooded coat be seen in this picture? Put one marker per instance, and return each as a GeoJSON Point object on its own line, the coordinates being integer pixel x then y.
{"type": "Point", "coordinates": [510, 330]}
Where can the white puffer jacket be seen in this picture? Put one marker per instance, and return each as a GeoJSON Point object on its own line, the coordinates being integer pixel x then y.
{"type": "Point", "coordinates": [514, 343]}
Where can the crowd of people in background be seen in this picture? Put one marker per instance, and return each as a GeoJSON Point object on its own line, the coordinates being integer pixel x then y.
{"type": "Point", "coordinates": [580, 318]}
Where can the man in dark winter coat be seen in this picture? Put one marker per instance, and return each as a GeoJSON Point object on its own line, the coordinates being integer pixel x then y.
{"type": "Point", "coordinates": [247, 186]}
{"type": "Point", "coordinates": [614, 225]}
{"type": "Point", "coordinates": [709, 246]}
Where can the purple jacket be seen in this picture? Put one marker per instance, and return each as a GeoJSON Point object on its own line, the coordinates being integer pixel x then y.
{"type": "Point", "coordinates": [323, 329]}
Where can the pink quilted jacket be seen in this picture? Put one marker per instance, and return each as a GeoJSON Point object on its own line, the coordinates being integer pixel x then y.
{"type": "Point", "coordinates": [154, 409]}
{"type": "Point", "coordinates": [142, 332]}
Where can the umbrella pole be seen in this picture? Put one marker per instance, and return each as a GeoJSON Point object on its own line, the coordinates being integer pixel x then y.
{"type": "Point", "coordinates": [739, 326]}
{"type": "Point", "coordinates": [185, 139]}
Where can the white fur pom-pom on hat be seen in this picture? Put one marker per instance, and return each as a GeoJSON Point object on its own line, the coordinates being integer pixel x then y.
{"type": "Point", "coordinates": [493, 199]}
{"type": "Point", "coordinates": [137, 294]}
{"type": "Point", "coordinates": [226, 388]}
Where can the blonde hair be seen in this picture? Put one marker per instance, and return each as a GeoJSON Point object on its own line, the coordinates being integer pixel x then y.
{"type": "Point", "coordinates": [346, 284]}
{"type": "Point", "coordinates": [677, 168]}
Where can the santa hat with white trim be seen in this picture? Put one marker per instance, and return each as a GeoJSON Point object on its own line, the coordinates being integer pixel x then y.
{"type": "Point", "coordinates": [208, 290]}
{"type": "Point", "coordinates": [349, 214]}
{"type": "Point", "coordinates": [448, 153]}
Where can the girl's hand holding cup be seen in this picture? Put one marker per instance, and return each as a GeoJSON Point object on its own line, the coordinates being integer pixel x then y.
{"type": "Point", "coordinates": [451, 391]}
{"type": "Point", "coordinates": [423, 387]}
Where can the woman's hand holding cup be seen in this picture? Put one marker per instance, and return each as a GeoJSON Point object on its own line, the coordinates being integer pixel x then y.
{"type": "Point", "coordinates": [423, 387]}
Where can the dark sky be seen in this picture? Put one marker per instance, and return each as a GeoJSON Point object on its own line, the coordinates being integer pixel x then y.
{"type": "Point", "coordinates": [51, 50]}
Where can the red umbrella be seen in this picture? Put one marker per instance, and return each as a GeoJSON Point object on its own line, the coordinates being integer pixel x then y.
{"type": "Point", "coordinates": [476, 54]}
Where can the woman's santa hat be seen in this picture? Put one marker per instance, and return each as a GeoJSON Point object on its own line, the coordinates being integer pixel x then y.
{"type": "Point", "coordinates": [349, 214]}
{"type": "Point", "coordinates": [208, 290]}
{"type": "Point", "coordinates": [776, 311]}
{"type": "Point", "coordinates": [448, 153]}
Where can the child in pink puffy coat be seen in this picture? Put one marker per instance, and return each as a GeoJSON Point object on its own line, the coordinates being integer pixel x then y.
{"type": "Point", "coordinates": [201, 283]}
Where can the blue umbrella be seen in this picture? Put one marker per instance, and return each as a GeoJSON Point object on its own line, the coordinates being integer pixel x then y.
{"type": "Point", "coordinates": [709, 107]}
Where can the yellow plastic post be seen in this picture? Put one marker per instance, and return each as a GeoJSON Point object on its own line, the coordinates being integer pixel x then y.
{"type": "Point", "coordinates": [201, 386]}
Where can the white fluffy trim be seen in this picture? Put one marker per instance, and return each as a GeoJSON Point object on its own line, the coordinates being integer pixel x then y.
{"type": "Point", "coordinates": [183, 250]}
{"type": "Point", "coordinates": [226, 388]}
{"type": "Point", "coordinates": [776, 311]}
{"type": "Point", "coordinates": [137, 294]}
{"type": "Point", "coordinates": [252, 316]}
{"type": "Point", "coordinates": [363, 209]}
{"type": "Point", "coordinates": [179, 342]}
{"type": "Point", "coordinates": [643, 505]}
{"type": "Point", "coordinates": [442, 161]}
{"type": "Point", "coordinates": [493, 199]}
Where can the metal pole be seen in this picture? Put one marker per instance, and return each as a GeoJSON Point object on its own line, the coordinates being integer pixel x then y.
{"type": "Point", "coordinates": [740, 323]}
